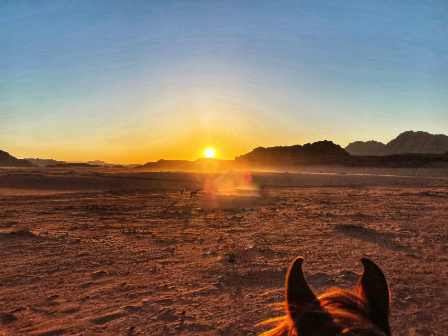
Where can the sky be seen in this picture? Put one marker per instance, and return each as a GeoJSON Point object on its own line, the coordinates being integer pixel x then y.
{"type": "Point", "coordinates": [136, 81]}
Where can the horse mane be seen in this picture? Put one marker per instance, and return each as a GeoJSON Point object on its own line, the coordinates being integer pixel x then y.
{"type": "Point", "coordinates": [337, 312]}
{"type": "Point", "coordinates": [348, 310]}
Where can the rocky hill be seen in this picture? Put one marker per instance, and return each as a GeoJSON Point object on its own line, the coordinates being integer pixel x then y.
{"type": "Point", "coordinates": [7, 160]}
{"type": "Point", "coordinates": [405, 143]}
{"type": "Point", "coordinates": [417, 142]}
{"type": "Point", "coordinates": [365, 148]}
{"type": "Point", "coordinates": [321, 152]}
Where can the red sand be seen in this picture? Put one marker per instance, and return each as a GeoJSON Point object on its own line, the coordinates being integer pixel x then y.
{"type": "Point", "coordinates": [126, 254]}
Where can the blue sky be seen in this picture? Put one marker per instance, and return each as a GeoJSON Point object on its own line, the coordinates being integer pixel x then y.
{"type": "Point", "coordinates": [136, 81]}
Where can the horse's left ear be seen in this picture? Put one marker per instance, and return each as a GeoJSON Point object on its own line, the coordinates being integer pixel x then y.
{"type": "Point", "coordinates": [302, 305]}
{"type": "Point", "coordinates": [373, 288]}
{"type": "Point", "coordinates": [298, 294]}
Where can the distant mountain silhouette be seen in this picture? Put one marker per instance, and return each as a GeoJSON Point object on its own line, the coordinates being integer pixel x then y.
{"type": "Point", "coordinates": [132, 165]}
{"type": "Point", "coordinates": [328, 153]}
{"type": "Point", "coordinates": [7, 160]}
{"type": "Point", "coordinates": [73, 165]}
{"type": "Point", "coordinates": [44, 162]}
{"type": "Point", "coordinates": [406, 143]}
{"type": "Point", "coordinates": [409, 149]}
{"type": "Point", "coordinates": [321, 152]}
{"type": "Point", "coordinates": [95, 163]}
{"type": "Point", "coordinates": [202, 164]}
{"type": "Point", "coordinates": [365, 148]}
{"type": "Point", "coordinates": [100, 163]}
{"type": "Point", "coordinates": [111, 165]}
{"type": "Point", "coordinates": [417, 142]}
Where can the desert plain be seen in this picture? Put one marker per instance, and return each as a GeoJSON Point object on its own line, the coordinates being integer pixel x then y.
{"type": "Point", "coordinates": [113, 252]}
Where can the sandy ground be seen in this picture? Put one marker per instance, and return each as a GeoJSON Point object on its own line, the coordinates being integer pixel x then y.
{"type": "Point", "coordinates": [101, 252]}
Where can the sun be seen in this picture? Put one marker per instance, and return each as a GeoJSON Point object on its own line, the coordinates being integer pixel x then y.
{"type": "Point", "coordinates": [209, 152]}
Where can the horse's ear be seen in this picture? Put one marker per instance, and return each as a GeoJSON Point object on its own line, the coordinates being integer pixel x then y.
{"type": "Point", "coordinates": [373, 288]}
{"type": "Point", "coordinates": [302, 305]}
{"type": "Point", "coordinates": [298, 293]}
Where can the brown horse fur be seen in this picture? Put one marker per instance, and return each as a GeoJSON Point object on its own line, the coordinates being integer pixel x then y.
{"type": "Point", "coordinates": [364, 312]}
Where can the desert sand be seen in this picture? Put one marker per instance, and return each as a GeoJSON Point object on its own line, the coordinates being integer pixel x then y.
{"type": "Point", "coordinates": [107, 252]}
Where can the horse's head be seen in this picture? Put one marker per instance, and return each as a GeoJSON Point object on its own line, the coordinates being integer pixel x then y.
{"type": "Point", "coordinates": [363, 312]}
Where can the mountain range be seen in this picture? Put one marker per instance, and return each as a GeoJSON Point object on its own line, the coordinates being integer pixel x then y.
{"type": "Point", "coordinates": [416, 149]}
{"type": "Point", "coordinates": [409, 142]}
{"type": "Point", "coordinates": [95, 163]}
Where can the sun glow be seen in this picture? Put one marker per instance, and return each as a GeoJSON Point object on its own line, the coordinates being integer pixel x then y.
{"type": "Point", "coordinates": [209, 152]}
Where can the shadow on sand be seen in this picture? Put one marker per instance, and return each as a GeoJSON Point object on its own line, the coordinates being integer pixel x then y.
{"type": "Point", "coordinates": [384, 239]}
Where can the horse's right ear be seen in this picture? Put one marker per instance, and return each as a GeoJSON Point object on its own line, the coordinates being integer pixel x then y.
{"type": "Point", "coordinates": [373, 288]}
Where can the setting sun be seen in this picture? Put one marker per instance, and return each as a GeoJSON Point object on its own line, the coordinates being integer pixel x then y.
{"type": "Point", "coordinates": [209, 152]}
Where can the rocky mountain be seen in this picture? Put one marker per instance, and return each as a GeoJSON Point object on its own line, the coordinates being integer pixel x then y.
{"type": "Point", "coordinates": [417, 142]}
{"type": "Point", "coordinates": [7, 160]}
{"type": "Point", "coordinates": [321, 152]}
{"type": "Point", "coordinates": [405, 143]}
{"type": "Point", "coordinates": [365, 148]}
{"type": "Point", "coordinates": [44, 162]}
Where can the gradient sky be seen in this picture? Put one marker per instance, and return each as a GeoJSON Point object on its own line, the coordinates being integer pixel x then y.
{"type": "Point", "coordinates": [136, 81]}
